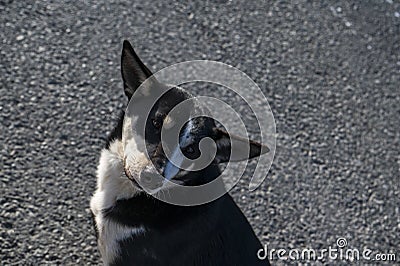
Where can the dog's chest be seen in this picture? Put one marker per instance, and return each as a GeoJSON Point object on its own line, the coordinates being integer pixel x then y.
{"type": "Point", "coordinates": [111, 186]}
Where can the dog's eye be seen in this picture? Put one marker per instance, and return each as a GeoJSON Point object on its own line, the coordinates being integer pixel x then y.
{"type": "Point", "coordinates": [156, 123]}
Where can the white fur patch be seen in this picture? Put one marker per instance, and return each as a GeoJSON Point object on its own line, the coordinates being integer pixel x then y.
{"type": "Point", "coordinates": [112, 185]}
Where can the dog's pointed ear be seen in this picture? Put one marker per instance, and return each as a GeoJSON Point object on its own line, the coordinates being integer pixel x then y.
{"type": "Point", "coordinates": [243, 149]}
{"type": "Point", "coordinates": [133, 71]}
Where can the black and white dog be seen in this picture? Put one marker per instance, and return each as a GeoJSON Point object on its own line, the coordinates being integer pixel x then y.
{"type": "Point", "coordinates": [135, 228]}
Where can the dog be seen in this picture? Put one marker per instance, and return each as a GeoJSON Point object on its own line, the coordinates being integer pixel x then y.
{"type": "Point", "coordinates": [135, 228]}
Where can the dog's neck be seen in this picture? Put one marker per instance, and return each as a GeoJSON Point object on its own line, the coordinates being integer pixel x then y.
{"type": "Point", "coordinates": [143, 209]}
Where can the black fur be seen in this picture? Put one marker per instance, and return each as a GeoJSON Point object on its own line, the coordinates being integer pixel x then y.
{"type": "Point", "coordinates": [216, 233]}
{"type": "Point", "coordinates": [116, 133]}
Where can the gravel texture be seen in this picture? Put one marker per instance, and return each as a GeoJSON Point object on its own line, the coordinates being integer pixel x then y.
{"type": "Point", "coordinates": [331, 73]}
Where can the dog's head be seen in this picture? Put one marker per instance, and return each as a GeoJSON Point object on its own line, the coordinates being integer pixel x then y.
{"type": "Point", "coordinates": [148, 165]}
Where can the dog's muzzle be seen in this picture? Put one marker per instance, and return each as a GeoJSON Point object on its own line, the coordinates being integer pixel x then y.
{"type": "Point", "coordinates": [150, 179]}
{"type": "Point", "coordinates": [132, 179]}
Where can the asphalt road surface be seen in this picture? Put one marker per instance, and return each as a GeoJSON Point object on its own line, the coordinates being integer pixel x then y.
{"type": "Point", "coordinates": [330, 71]}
